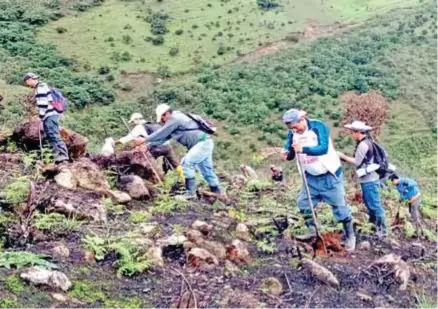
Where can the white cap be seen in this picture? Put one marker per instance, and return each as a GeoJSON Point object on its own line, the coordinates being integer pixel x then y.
{"type": "Point", "coordinates": [135, 116]}
{"type": "Point", "coordinates": [358, 126]}
{"type": "Point", "coordinates": [161, 110]}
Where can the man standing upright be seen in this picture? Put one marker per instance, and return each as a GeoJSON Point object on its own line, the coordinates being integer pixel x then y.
{"type": "Point", "coordinates": [186, 130]}
{"type": "Point", "coordinates": [309, 141]}
{"type": "Point", "coordinates": [366, 169]}
{"type": "Point", "coordinates": [48, 115]}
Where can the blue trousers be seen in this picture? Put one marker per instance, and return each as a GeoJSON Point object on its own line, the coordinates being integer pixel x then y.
{"type": "Point", "coordinates": [326, 188]}
{"type": "Point", "coordinates": [200, 156]}
{"type": "Point", "coordinates": [51, 129]}
{"type": "Point", "coordinates": [371, 198]}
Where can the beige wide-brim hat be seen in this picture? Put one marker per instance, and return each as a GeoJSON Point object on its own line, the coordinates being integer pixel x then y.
{"type": "Point", "coordinates": [135, 116]}
{"type": "Point", "coordinates": [161, 110]}
{"type": "Point", "coordinates": [358, 126]}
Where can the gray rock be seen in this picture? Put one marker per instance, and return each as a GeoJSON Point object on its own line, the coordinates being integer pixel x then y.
{"type": "Point", "coordinates": [242, 232]}
{"type": "Point", "coordinates": [66, 179]}
{"type": "Point", "coordinates": [120, 197]}
{"type": "Point", "coordinates": [273, 286]}
{"type": "Point", "coordinates": [365, 245]}
{"type": "Point", "coordinates": [149, 229]}
{"type": "Point", "coordinates": [52, 278]}
{"type": "Point", "coordinates": [60, 251]}
{"type": "Point", "coordinates": [135, 187]}
{"type": "Point", "coordinates": [155, 255]}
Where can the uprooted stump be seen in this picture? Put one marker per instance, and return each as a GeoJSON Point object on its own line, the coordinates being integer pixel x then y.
{"type": "Point", "coordinates": [27, 136]}
{"type": "Point", "coordinates": [320, 272]}
{"type": "Point", "coordinates": [130, 162]}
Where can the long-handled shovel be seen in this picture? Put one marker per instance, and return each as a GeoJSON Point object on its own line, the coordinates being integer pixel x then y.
{"type": "Point", "coordinates": [315, 221]}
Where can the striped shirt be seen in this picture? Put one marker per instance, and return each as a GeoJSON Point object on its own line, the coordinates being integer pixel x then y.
{"type": "Point", "coordinates": [43, 98]}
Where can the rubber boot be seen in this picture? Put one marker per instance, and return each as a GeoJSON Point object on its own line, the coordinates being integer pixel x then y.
{"type": "Point", "coordinates": [350, 238]}
{"type": "Point", "coordinates": [381, 230]}
{"type": "Point", "coordinates": [215, 189]}
{"type": "Point", "coordinates": [190, 193]}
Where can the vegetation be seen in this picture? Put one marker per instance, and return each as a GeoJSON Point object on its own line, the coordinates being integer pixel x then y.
{"type": "Point", "coordinates": [86, 291]}
{"type": "Point", "coordinates": [21, 259]}
{"type": "Point", "coordinates": [56, 223]}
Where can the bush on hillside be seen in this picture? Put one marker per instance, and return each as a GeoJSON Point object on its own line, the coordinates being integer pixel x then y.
{"type": "Point", "coordinates": [157, 21]}
{"type": "Point", "coordinates": [267, 4]}
{"type": "Point", "coordinates": [158, 40]}
{"type": "Point", "coordinates": [371, 108]}
{"type": "Point", "coordinates": [174, 51]}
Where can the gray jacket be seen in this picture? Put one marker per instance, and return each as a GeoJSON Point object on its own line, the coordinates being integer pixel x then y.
{"type": "Point", "coordinates": [179, 127]}
{"type": "Point", "coordinates": [359, 156]}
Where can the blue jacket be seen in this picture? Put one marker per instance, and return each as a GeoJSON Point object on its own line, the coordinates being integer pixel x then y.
{"type": "Point", "coordinates": [323, 133]}
{"type": "Point", "coordinates": [407, 188]}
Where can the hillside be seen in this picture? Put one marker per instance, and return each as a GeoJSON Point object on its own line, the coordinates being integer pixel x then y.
{"type": "Point", "coordinates": [241, 63]}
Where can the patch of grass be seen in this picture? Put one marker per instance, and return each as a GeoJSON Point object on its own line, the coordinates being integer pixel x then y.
{"type": "Point", "coordinates": [86, 291]}
{"type": "Point", "coordinates": [97, 245]}
{"type": "Point", "coordinates": [132, 302]}
{"type": "Point", "coordinates": [21, 259]}
{"type": "Point", "coordinates": [166, 204]}
{"type": "Point", "coordinates": [8, 302]}
{"type": "Point", "coordinates": [16, 192]}
{"type": "Point", "coordinates": [139, 216]}
{"type": "Point", "coordinates": [14, 284]}
{"type": "Point", "coordinates": [55, 222]}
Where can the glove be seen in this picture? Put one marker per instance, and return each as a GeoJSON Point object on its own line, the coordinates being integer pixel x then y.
{"type": "Point", "coordinates": [180, 172]}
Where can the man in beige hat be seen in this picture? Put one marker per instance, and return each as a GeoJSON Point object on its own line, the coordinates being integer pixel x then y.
{"type": "Point", "coordinates": [366, 171]}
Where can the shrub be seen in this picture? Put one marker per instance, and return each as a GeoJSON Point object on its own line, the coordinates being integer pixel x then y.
{"type": "Point", "coordinates": [267, 4]}
{"type": "Point", "coordinates": [61, 30]}
{"type": "Point", "coordinates": [104, 70]}
{"type": "Point", "coordinates": [164, 71]}
{"type": "Point", "coordinates": [174, 51]}
{"type": "Point", "coordinates": [221, 50]}
{"type": "Point", "coordinates": [158, 40]}
{"type": "Point", "coordinates": [127, 39]}
{"type": "Point", "coordinates": [179, 31]}
{"type": "Point", "coordinates": [157, 22]}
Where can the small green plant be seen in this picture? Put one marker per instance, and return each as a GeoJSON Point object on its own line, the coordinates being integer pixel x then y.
{"type": "Point", "coordinates": [265, 246]}
{"type": "Point", "coordinates": [14, 284]}
{"type": "Point", "coordinates": [409, 229]}
{"type": "Point", "coordinates": [178, 229]}
{"type": "Point", "coordinates": [113, 208]}
{"type": "Point", "coordinates": [20, 259]}
{"type": "Point", "coordinates": [258, 185]}
{"type": "Point", "coordinates": [130, 261]}
{"type": "Point", "coordinates": [166, 204]}
{"type": "Point", "coordinates": [238, 215]}
{"type": "Point", "coordinates": [7, 302]}
{"type": "Point", "coordinates": [132, 302]}
{"type": "Point", "coordinates": [55, 222]}
{"type": "Point", "coordinates": [16, 192]}
{"type": "Point", "coordinates": [86, 292]}
{"type": "Point", "coordinates": [174, 51]}
{"type": "Point", "coordinates": [97, 245]}
{"type": "Point", "coordinates": [138, 216]}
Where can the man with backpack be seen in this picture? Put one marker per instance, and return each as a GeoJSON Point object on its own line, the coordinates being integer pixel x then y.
{"type": "Point", "coordinates": [143, 129]}
{"type": "Point", "coordinates": [194, 133]}
{"type": "Point", "coordinates": [370, 161]}
{"type": "Point", "coordinates": [51, 104]}
{"type": "Point", "coordinates": [309, 142]}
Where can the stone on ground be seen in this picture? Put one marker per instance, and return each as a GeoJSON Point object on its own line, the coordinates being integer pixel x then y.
{"type": "Point", "coordinates": [272, 286]}
{"type": "Point", "coordinates": [201, 258]}
{"type": "Point", "coordinates": [242, 232]}
{"type": "Point", "coordinates": [238, 252]}
{"type": "Point", "coordinates": [134, 186]}
{"type": "Point", "coordinates": [52, 278]}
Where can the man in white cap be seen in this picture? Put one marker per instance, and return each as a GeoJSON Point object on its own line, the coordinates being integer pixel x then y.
{"type": "Point", "coordinates": [366, 171]}
{"type": "Point", "coordinates": [143, 129]}
{"type": "Point", "coordinates": [48, 115]}
{"type": "Point", "coordinates": [309, 142]}
{"type": "Point", "coordinates": [188, 132]}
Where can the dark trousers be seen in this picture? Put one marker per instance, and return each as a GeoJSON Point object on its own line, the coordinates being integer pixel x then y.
{"type": "Point", "coordinates": [169, 158]}
{"type": "Point", "coordinates": [51, 130]}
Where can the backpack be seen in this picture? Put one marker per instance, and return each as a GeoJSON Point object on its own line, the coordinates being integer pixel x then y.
{"type": "Point", "coordinates": [380, 157]}
{"type": "Point", "coordinates": [203, 125]}
{"type": "Point", "coordinates": [151, 127]}
{"type": "Point", "coordinates": [59, 102]}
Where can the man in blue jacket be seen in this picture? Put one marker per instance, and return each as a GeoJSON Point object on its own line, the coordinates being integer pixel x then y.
{"type": "Point", "coordinates": [309, 141]}
{"type": "Point", "coordinates": [409, 192]}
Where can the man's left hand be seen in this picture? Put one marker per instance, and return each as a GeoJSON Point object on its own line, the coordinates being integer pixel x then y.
{"type": "Point", "coordinates": [138, 141]}
{"type": "Point", "coordinates": [298, 148]}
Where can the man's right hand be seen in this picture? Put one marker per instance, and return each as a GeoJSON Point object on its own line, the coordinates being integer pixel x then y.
{"type": "Point", "coordinates": [284, 155]}
{"type": "Point", "coordinates": [138, 141]}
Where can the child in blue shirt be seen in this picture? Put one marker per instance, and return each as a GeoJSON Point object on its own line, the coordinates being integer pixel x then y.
{"type": "Point", "coordinates": [409, 191]}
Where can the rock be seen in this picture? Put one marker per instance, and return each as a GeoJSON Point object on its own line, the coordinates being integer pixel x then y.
{"type": "Point", "coordinates": [248, 172]}
{"type": "Point", "coordinates": [60, 297]}
{"type": "Point", "coordinates": [76, 143]}
{"type": "Point", "coordinates": [392, 242]}
{"type": "Point", "coordinates": [155, 255]}
{"type": "Point", "coordinates": [242, 232]}
{"type": "Point", "coordinates": [273, 286]}
{"type": "Point", "coordinates": [231, 268]}
{"type": "Point", "coordinates": [364, 296]}
{"type": "Point", "coordinates": [143, 243]}
{"type": "Point", "coordinates": [135, 187]}
{"type": "Point", "coordinates": [61, 251]}
{"type": "Point", "coordinates": [215, 247]}
{"type": "Point", "coordinates": [149, 229]}
{"type": "Point", "coordinates": [188, 245]}
{"type": "Point", "coordinates": [365, 245]}
{"type": "Point", "coordinates": [89, 176]}
{"type": "Point", "coordinates": [93, 210]}
{"type": "Point", "coordinates": [221, 220]}
{"type": "Point", "coordinates": [120, 197]}
{"type": "Point", "coordinates": [66, 180]}
{"type": "Point", "coordinates": [201, 258]}
{"type": "Point", "coordinates": [238, 252]}
{"type": "Point", "coordinates": [239, 181]}
{"type": "Point", "coordinates": [202, 226]}
{"type": "Point", "coordinates": [89, 257]}
{"type": "Point", "coordinates": [173, 240]}
{"type": "Point", "coordinates": [194, 236]}
{"type": "Point", "coordinates": [320, 272]}
{"type": "Point", "coordinates": [52, 278]}
{"type": "Point", "coordinates": [248, 300]}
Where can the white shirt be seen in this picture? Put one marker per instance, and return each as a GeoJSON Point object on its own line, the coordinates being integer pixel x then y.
{"type": "Point", "coordinates": [311, 164]}
{"type": "Point", "coordinates": [138, 131]}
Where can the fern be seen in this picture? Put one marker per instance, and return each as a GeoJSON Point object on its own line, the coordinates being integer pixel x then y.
{"type": "Point", "coordinates": [130, 261]}
{"type": "Point", "coordinates": [56, 222]}
{"type": "Point", "coordinates": [166, 204]}
{"type": "Point", "coordinates": [97, 245]}
{"type": "Point", "coordinates": [266, 246]}
{"type": "Point", "coordinates": [20, 259]}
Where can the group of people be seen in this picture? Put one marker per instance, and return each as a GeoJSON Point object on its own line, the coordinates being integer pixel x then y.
{"type": "Point", "coordinates": [308, 141]}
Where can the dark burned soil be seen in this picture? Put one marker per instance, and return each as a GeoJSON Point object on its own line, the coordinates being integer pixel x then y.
{"type": "Point", "coordinates": [274, 252]}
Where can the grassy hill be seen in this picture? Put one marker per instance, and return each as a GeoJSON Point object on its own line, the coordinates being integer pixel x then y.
{"type": "Point", "coordinates": [118, 34]}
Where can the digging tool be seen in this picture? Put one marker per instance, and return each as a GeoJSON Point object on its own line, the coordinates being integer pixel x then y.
{"type": "Point", "coordinates": [41, 144]}
{"type": "Point", "coordinates": [315, 221]}
{"type": "Point", "coordinates": [146, 157]}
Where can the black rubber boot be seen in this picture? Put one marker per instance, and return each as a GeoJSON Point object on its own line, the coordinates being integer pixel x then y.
{"type": "Point", "coordinates": [350, 238]}
{"type": "Point", "coordinates": [381, 230]}
{"type": "Point", "coordinates": [215, 189]}
{"type": "Point", "coordinates": [190, 193]}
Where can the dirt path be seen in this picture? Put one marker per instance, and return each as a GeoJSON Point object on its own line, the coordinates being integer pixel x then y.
{"type": "Point", "coordinates": [312, 32]}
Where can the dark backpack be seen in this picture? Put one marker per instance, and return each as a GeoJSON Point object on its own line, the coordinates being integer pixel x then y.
{"type": "Point", "coordinates": [203, 125]}
{"type": "Point", "coordinates": [151, 127]}
{"type": "Point", "coordinates": [59, 102]}
{"type": "Point", "coordinates": [379, 156]}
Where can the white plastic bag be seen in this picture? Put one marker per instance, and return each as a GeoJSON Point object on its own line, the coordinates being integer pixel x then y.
{"type": "Point", "coordinates": [108, 147]}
